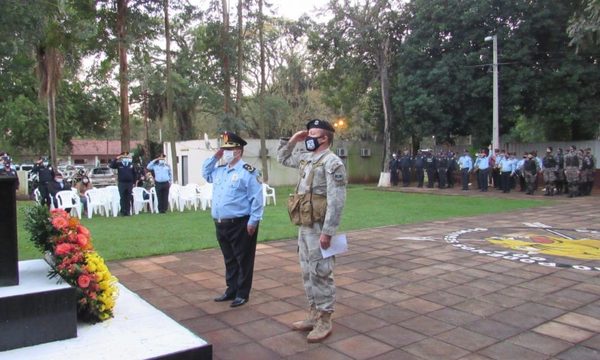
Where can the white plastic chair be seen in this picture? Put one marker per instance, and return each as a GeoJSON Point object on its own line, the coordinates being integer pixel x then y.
{"type": "Point", "coordinates": [174, 196]}
{"type": "Point", "coordinates": [268, 193]}
{"type": "Point", "coordinates": [37, 195]}
{"type": "Point", "coordinates": [188, 196]}
{"type": "Point", "coordinates": [38, 198]}
{"type": "Point", "coordinates": [97, 202]}
{"type": "Point", "coordinates": [154, 199]}
{"type": "Point", "coordinates": [141, 197]}
{"type": "Point", "coordinates": [205, 195]}
{"type": "Point", "coordinates": [113, 196]}
{"type": "Point", "coordinates": [66, 199]}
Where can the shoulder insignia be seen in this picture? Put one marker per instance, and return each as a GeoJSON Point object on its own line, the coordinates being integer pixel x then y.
{"type": "Point", "coordinates": [249, 167]}
{"type": "Point", "coordinates": [222, 165]}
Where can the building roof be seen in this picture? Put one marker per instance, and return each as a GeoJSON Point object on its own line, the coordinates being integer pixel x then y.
{"type": "Point", "coordinates": [86, 147]}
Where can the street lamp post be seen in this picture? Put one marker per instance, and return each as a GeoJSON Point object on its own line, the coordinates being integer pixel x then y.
{"type": "Point", "coordinates": [495, 131]}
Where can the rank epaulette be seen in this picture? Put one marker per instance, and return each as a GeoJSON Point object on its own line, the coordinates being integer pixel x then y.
{"type": "Point", "coordinates": [249, 167]}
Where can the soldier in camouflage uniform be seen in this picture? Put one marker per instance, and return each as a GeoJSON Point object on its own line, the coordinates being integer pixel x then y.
{"type": "Point", "coordinates": [572, 167]}
{"type": "Point", "coordinates": [587, 172]}
{"type": "Point", "coordinates": [321, 173]}
{"type": "Point", "coordinates": [550, 166]}
{"type": "Point", "coordinates": [560, 172]}
{"type": "Point", "coordinates": [530, 170]}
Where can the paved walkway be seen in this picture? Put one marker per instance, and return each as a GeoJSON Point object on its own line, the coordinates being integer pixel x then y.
{"type": "Point", "coordinates": [422, 291]}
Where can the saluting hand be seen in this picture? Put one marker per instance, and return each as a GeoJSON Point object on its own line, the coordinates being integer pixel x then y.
{"type": "Point", "coordinates": [299, 136]}
{"type": "Point", "coordinates": [219, 154]}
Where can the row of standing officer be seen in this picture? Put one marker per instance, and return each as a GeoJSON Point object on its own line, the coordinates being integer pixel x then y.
{"type": "Point", "coordinates": [441, 167]}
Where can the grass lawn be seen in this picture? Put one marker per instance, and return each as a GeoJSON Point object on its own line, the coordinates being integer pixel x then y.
{"type": "Point", "coordinates": [154, 234]}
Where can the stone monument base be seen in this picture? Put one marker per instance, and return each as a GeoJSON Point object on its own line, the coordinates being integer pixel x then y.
{"type": "Point", "coordinates": [137, 331]}
{"type": "Point", "coordinates": [38, 310]}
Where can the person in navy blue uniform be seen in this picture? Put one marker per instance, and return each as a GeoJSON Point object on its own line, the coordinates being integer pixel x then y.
{"type": "Point", "coordinates": [431, 168]}
{"type": "Point", "coordinates": [237, 208]}
{"type": "Point", "coordinates": [45, 174]}
{"type": "Point", "coordinates": [126, 176]}
{"type": "Point", "coordinates": [405, 163]}
{"type": "Point", "coordinates": [394, 170]}
{"type": "Point", "coordinates": [162, 180]}
{"type": "Point", "coordinates": [419, 164]}
{"type": "Point", "coordinates": [7, 170]}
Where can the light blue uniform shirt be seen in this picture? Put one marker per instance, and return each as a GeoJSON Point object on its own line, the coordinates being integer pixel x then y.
{"type": "Point", "coordinates": [465, 162]}
{"type": "Point", "coordinates": [482, 162]}
{"type": "Point", "coordinates": [508, 165]}
{"type": "Point", "coordinates": [162, 173]}
{"type": "Point", "coordinates": [237, 191]}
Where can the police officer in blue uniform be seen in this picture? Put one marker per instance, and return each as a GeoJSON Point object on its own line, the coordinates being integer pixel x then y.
{"type": "Point", "coordinates": [163, 178]}
{"type": "Point", "coordinates": [126, 177]}
{"type": "Point", "coordinates": [237, 208]}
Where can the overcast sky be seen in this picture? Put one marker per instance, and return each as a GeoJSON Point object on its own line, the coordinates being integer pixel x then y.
{"type": "Point", "coordinates": [293, 9]}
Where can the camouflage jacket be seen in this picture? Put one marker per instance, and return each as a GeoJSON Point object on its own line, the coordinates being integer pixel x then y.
{"type": "Point", "coordinates": [322, 173]}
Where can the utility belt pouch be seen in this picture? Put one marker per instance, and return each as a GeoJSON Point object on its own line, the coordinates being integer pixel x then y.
{"type": "Point", "coordinates": [294, 208]}
{"type": "Point", "coordinates": [307, 209]}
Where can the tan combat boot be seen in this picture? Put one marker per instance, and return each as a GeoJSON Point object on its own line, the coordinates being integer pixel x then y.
{"type": "Point", "coordinates": [308, 323]}
{"type": "Point", "coordinates": [322, 328]}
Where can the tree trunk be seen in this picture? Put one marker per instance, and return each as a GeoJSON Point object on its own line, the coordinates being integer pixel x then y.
{"type": "Point", "coordinates": [146, 130]}
{"type": "Point", "coordinates": [240, 60]}
{"type": "Point", "coordinates": [52, 128]}
{"type": "Point", "coordinates": [261, 95]}
{"type": "Point", "coordinates": [123, 73]}
{"type": "Point", "coordinates": [170, 120]}
{"type": "Point", "coordinates": [383, 63]}
{"type": "Point", "coordinates": [225, 58]}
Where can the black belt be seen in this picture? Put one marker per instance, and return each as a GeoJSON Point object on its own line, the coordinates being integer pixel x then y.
{"type": "Point", "coordinates": [162, 182]}
{"type": "Point", "coordinates": [232, 220]}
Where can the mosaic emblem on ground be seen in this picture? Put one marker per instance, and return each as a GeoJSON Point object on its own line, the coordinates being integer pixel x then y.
{"type": "Point", "coordinates": [534, 243]}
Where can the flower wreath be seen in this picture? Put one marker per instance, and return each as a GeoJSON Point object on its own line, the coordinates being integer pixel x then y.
{"type": "Point", "coordinates": [75, 261]}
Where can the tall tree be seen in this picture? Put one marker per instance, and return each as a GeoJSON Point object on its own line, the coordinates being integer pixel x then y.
{"type": "Point", "coordinates": [240, 59]}
{"type": "Point", "coordinates": [225, 44]}
{"type": "Point", "coordinates": [123, 76]}
{"type": "Point", "coordinates": [584, 25]}
{"type": "Point", "coordinates": [261, 93]}
{"type": "Point", "coordinates": [360, 36]}
{"type": "Point", "coordinates": [170, 93]}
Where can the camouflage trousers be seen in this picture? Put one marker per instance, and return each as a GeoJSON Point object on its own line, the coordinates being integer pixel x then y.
{"type": "Point", "coordinates": [317, 273]}
{"type": "Point", "coordinates": [587, 175]}
{"type": "Point", "coordinates": [530, 179]}
{"type": "Point", "coordinates": [572, 175]}
{"type": "Point", "coordinates": [549, 176]}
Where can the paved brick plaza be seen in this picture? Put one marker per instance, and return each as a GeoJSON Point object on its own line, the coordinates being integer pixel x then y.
{"type": "Point", "coordinates": [404, 292]}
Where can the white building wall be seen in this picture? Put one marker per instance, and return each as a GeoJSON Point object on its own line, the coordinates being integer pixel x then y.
{"type": "Point", "coordinates": [197, 151]}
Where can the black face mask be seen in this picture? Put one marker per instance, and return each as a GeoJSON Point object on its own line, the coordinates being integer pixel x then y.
{"type": "Point", "coordinates": [311, 143]}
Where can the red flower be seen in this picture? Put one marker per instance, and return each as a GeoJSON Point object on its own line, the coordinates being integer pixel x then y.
{"type": "Point", "coordinates": [82, 240]}
{"type": "Point", "coordinates": [60, 223]}
{"type": "Point", "coordinates": [58, 213]}
{"type": "Point", "coordinates": [83, 281]}
{"type": "Point", "coordinates": [63, 249]}
{"type": "Point", "coordinates": [83, 230]}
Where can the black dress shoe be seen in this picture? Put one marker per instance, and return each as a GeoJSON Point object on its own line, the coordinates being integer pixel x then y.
{"type": "Point", "coordinates": [225, 297]}
{"type": "Point", "coordinates": [238, 302]}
